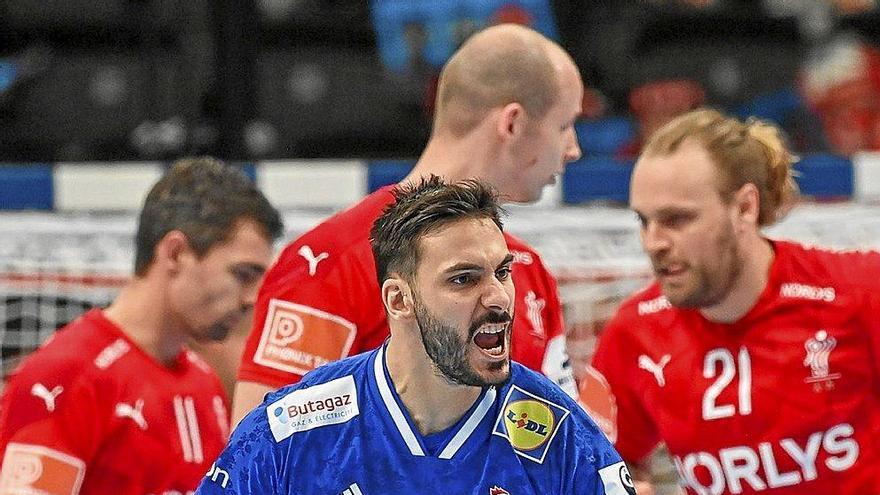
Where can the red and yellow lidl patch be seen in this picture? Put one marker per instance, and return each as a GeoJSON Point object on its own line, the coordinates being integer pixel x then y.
{"type": "Point", "coordinates": [37, 469]}
{"type": "Point", "coordinates": [298, 338]}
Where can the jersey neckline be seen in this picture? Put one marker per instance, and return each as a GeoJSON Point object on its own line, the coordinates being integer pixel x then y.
{"type": "Point", "coordinates": [404, 425]}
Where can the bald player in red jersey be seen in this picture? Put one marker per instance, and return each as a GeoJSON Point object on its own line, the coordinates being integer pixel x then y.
{"type": "Point", "coordinates": [320, 302]}
{"type": "Point", "coordinates": [756, 361]}
{"type": "Point", "coordinates": [115, 402]}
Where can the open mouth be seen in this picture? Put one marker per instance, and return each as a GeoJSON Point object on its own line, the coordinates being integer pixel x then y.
{"type": "Point", "coordinates": [490, 338]}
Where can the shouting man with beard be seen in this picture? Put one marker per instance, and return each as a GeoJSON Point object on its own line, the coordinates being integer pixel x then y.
{"type": "Point", "coordinates": [439, 407]}
{"type": "Point", "coordinates": [755, 360]}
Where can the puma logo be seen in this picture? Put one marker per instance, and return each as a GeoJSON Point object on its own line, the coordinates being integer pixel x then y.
{"type": "Point", "coordinates": [135, 413]}
{"type": "Point", "coordinates": [655, 369]}
{"type": "Point", "coordinates": [306, 252]}
{"type": "Point", "coordinates": [48, 396]}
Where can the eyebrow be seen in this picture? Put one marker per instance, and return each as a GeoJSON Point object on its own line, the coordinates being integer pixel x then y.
{"type": "Point", "coordinates": [256, 268]}
{"type": "Point", "coordinates": [467, 266]}
{"type": "Point", "coordinates": [507, 260]}
{"type": "Point", "coordinates": [667, 210]}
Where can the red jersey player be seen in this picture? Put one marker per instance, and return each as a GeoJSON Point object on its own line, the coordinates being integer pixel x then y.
{"type": "Point", "coordinates": [114, 402]}
{"type": "Point", "coordinates": [506, 106]}
{"type": "Point", "coordinates": [755, 361]}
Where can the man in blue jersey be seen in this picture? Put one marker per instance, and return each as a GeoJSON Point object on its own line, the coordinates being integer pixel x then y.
{"type": "Point", "coordinates": [438, 407]}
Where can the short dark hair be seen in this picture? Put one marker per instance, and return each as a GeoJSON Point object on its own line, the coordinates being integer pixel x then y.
{"type": "Point", "coordinates": [203, 198]}
{"type": "Point", "coordinates": [422, 208]}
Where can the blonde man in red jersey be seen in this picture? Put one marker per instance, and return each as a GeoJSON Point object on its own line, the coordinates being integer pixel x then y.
{"type": "Point", "coordinates": [754, 360]}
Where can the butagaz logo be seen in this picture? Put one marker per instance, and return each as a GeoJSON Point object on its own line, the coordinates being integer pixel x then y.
{"type": "Point", "coordinates": [818, 352]}
{"type": "Point", "coordinates": [329, 403]}
{"type": "Point", "coordinates": [617, 480]}
{"type": "Point", "coordinates": [534, 307]}
{"type": "Point", "coordinates": [529, 423]}
{"type": "Point", "coordinates": [801, 291]}
{"type": "Point", "coordinates": [298, 338]}
{"type": "Point", "coordinates": [654, 305]}
{"type": "Point", "coordinates": [496, 490]}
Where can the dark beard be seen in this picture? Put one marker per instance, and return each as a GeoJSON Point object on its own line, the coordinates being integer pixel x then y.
{"type": "Point", "coordinates": [449, 353]}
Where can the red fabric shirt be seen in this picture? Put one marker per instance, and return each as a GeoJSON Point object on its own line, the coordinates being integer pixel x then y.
{"type": "Point", "coordinates": [91, 413]}
{"type": "Point", "coordinates": [785, 401]}
{"type": "Point", "coordinates": [321, 302]}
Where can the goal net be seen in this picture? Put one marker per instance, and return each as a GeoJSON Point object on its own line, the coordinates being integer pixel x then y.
{"type": "Point", "coordinates": [55, 266]}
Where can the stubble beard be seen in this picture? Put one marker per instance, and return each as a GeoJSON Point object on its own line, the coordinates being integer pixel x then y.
{"type": "Point", "coordinates": [449, 353]}
{"type": "Point", "coordinates": [712, 286]}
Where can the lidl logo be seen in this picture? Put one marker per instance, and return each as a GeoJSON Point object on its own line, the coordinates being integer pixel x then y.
{"type": "Point", "coordinates": [529, 423]}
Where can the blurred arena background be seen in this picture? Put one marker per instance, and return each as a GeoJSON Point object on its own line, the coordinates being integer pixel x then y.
{"type": "Point", "coordinates": [323, 101]}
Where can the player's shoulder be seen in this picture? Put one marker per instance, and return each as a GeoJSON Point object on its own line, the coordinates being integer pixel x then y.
{"type": "Point", "coordinates": [523, 253]}
{"type": "Point", "coordinates": [645, 304]}
{"type": "Point", "coordinates": [295, 420]}
{"type": "Point", "coordinates": [639, 321]}
{"type": "Point", "coordinates": [349, 226]}
{"type": "Point", "coordinates": [809, 266]}
{"type": "Point", "coordinates": [333, 246]}
{"type": "Point", "coordinates": [80, 349]}
{"type": "Point", "coordinates": [528, 266]}
{"type": "Point", "coordinates": [352, 365]}
{"type": "Point", "coordinates": [199, 371]}
{"type": "Point", "coordinates": [325, 396]}
{"type": "Point", "coordinates": [75, 365]}
{"type": "Point", "coordinates": [536, 384]}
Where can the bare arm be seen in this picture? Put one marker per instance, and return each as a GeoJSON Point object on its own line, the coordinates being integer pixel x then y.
{"type": "Point", "coordinates": [248, 395]}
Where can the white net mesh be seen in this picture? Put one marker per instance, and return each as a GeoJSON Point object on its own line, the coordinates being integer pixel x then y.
{"type": "Point", "coordinates": [55, 266]}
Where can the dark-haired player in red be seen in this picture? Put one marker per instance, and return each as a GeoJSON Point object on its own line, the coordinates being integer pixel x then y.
{"type": "Point", "coordinates": [115, 403]}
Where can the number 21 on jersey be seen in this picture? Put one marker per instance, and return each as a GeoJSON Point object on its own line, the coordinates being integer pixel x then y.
{"type": "Point", "coordinates": [721, 365]}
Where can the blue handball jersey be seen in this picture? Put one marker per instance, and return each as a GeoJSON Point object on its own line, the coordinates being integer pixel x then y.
{"type": "Point", "coordinates": [343, 430]}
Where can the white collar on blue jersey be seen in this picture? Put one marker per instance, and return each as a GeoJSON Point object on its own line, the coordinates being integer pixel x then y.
{"type": "Point", "coordinates": [406, 430]}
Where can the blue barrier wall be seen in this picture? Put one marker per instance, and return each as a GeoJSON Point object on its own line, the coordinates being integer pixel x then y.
{"type": "Point", "coordinates": [122, 186]}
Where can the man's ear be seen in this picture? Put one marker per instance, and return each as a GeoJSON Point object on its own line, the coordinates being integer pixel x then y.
{"type": "Point", "coordinates": [747, 204]}
{"type": "Point", "coordinates": [511, 121]}
{"type": "Point", "coordinates": [398, 299]}
{"type": "Point", "coordinates": [171, 251]}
